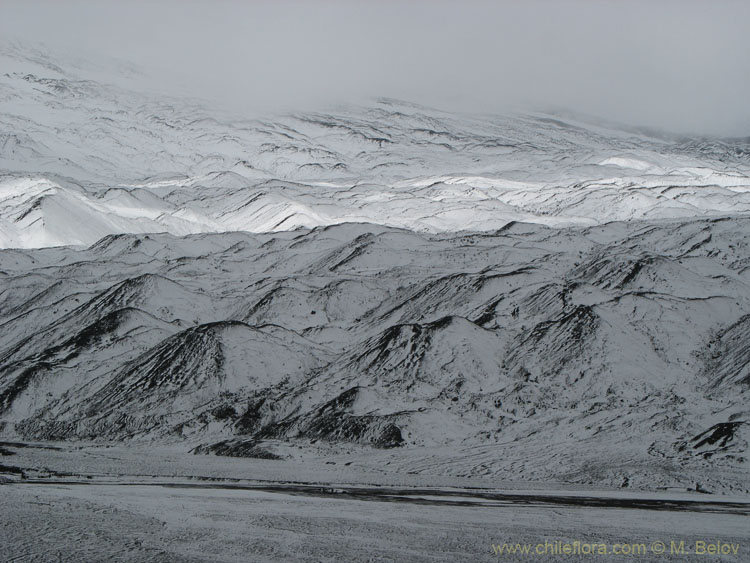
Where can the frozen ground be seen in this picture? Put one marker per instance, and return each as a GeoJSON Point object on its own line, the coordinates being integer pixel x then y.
{"type": "Point", "coordinates": [316, 512]}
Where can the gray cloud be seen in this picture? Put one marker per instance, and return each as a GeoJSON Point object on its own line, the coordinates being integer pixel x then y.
{"type": "Point", "coordinates": [675, 64]}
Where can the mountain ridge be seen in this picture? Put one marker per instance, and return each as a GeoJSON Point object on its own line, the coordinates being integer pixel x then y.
{"type": "Point", "coordinates": [104, 159]}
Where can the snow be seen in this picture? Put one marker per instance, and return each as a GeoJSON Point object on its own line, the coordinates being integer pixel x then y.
{"type": "Point", "coordinates": [110, 160]}
{"type": "Point", "coordinates": [581, 343]}
{"type": "Point", "coordinates": [155, 503]}
{"type": "Point", "coordinates": [382, 294]}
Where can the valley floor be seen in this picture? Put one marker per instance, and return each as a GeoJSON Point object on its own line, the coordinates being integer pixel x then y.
{"type": "Point", "coordinates": [92, 503]}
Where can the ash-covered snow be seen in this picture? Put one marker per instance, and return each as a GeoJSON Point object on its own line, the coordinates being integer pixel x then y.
{"type": "Point", "coordinates": [600, 353]}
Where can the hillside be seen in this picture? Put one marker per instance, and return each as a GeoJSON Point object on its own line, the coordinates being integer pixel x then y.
{"type": "Point", "coordinates": [580, 343]}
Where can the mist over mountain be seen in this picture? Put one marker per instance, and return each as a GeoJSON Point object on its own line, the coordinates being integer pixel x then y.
{"type": "Point", "coordinates": [374, 281]}
{"type": "Point", "coordinates": [674, 65]}
{"type": "Point", "coordinates": [82, 159]}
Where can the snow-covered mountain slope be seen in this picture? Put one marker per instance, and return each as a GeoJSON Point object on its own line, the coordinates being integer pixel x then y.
{"type": "Point", "coordinates": [624, 340]}
{"type": "Point", "coordinates": [534, 295]}
{"type": "Point", "coordinates": [81, 158]}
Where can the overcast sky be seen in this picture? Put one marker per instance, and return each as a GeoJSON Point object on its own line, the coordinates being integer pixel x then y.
{"type": "Point", "coordinates": [681, 65]}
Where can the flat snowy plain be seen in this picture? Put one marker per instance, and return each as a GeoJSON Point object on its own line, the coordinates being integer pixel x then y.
{"type": "Point", "coordinates": [96, 503]}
